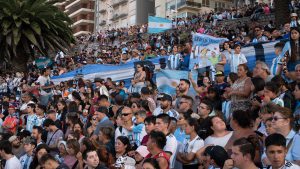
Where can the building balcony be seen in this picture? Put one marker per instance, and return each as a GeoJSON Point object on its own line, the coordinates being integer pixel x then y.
{"type": "Point", "coordinates": [186, 4]}
{"type": "Point", "coordinates": [102, 10]}
{"type": "Point", "coordinates": [115, 17]}
{"type": "Point", "coordinates": [81, 33]}
{"type": "Point", "coordinates": [82, 22]}
{"type": "Point", "coordinates": [102, 23]}
{"type": "Point", "coordinates": [81, 11]}
{"type": "Point", "coordinates": [76, 2]}
{"type": "Point", "coordinates": [118, 16]}
{"type": "Point", "coordinates": [118, 2]}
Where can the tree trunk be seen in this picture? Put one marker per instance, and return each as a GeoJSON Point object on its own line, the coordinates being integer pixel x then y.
{"type": "Point", "coordinates": [19, 62]}
{"type": "Point", "coordinates": [282, 13]}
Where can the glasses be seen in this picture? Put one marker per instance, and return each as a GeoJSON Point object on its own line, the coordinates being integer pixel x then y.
{"type": "Point", "coordinates": [202, 107]}
{"type": "Point", "coordinates": [277, 118]}
{"type": "Point", "coordinates": [181, 102]}
{"type": "Point", "coordinates": [125, 114]}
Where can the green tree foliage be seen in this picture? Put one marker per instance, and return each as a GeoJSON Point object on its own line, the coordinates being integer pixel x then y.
{"type": "Point", "coordinates": [28, 23]}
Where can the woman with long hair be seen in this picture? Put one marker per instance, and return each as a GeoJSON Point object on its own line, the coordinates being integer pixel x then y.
{"type": "Point", "coordinates": [40, 150]}
{"type": "Point", "coordinates": [139, 79]}
{"type": "Point", "coordinates": [73, 148]}
{"type": "Point", "coordinates": [93, 125]}
{"type": "Point", "coordinates": [62, 111]}
{"type": "Point", "coordinates": [187, 155]}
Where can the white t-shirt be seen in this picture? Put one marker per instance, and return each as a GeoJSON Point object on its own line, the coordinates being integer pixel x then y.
{"type": "Point", "coordinates": [192, 146]}
{"type": "Point", "coordinates": [124, 132]}
{"type": "Point", "coordinates": [235, 60]}
{"type": "Point", "coordinates": [44, 81]}
{"type": "Point", "coordinates": [13, 163]}
{"type": "Point", "coordinates": [171, 146]}
{"type": "Point", "coordinates": [220, 141]}
{"type": "Point", "coordinates": [171, 112]}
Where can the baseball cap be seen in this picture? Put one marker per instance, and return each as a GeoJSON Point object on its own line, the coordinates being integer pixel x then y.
{"type": "Point", "coordinates": [12, 107]}
{"type": "Point", "coordinates": [219, 73]}
{"type": "Point", "coordinates": [12, 138]}
{"type": "Point", "coordinates": [143, 151]}
{"type": "Point", "coordinates": [164, 96]}
{"type": "Point", "coordinates": [97, 79]}
{"type": "Point", "coordinates": [294, 14]}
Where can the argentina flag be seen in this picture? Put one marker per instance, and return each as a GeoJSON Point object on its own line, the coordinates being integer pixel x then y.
{"type": "Point", "coordinates": [158, 25]}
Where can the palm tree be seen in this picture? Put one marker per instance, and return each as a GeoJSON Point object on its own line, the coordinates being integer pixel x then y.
{"type": "Point", "coordinates": [282, 13]}
{"type": "Point", "coordinates": [31, 25]}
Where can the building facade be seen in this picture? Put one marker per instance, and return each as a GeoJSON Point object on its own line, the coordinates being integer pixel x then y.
{"type": "Point", "coordinates": [82, 14]}
{"type": "Point", "coordinates": [167, 8]}
{"type": "Point", "coordinates": [122, 13]}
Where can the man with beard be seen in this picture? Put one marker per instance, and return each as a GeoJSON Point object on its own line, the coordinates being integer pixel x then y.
{"type": "Point", "coordinates": [17, 147]}
{"type": "Point", "coordinates": [165, 106]}
{"type": "Point", "coordinates": [184, 89]}
{"type": "Point", "coordinates": [37, 134]}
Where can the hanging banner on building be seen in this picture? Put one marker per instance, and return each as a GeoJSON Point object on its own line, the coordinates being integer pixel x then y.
{"type": "Point", "coordinates": [206, 51]}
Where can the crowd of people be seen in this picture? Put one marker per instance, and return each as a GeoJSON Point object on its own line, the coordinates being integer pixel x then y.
{"type": "Point", "coordinates": [246, 119]}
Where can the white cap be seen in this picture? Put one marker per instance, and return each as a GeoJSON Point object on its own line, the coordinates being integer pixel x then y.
{"type": "Point", "coordinates": [143, 151]}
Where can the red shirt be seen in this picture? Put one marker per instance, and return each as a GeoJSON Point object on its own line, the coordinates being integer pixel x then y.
{"type": "Point", "coordinates": [11, 122]}
{"type": "Point", "coordinates": [163, 155]}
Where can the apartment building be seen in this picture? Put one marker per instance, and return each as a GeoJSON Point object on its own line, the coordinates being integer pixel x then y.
{"type": "Point", "coordinates": [167, 8]}
{"type": "Point", "coordinates": [123, 13]}
{"type": "Point", "coordinates": [82, 14]}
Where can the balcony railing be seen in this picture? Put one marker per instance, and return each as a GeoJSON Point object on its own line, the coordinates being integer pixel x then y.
{"type": "Point", "coordinates": [102, 10]}
{"type": "Point", "coordinates": [117, 16]}
{"type": "Point", "coordinates": [118, 2]}
{"type": "Point", "coordinates": [102, 23]}
{"type": "Point", "coordinates": [183, 4]}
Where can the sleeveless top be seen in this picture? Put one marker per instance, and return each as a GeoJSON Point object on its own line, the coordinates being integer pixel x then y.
{"type": "Point", "coordinates": [138, 75]}
{"type": "Point", "coordinates": [239, 86]}
{"type": "Point", "coordinates": [163, 155]}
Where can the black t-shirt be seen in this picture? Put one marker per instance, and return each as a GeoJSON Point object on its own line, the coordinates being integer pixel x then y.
{"type": "Point", "coordinates": [203, 130]}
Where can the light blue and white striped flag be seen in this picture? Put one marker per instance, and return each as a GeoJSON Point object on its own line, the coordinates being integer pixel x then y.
{"type": "Point", "coordinates": [158, 25]}
{"type": "Point", "coordinates": [168, 80]}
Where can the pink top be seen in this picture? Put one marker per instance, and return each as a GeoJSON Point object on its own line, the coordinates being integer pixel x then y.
{"type": "Point", "coordinates": [201, 30]}
{"type": "Point", "coordinates": [267, 10]}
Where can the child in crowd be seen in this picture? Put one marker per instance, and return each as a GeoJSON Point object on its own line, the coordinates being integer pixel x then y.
{"type": "Point", "coordinates": [271, 94]}
{"type": "Point", "coordinates": [139, 130]}
{"type": "Point", "coordinates": [275, 67]}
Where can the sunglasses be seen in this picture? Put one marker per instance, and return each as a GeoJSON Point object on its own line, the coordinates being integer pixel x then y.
{"type": "Point", "coordinates": [277, 118]}
{"type": "Point", "coordinates": [125, 114]}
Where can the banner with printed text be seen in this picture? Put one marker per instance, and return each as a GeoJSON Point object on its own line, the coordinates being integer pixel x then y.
{"type": "Point", "coordinates": [205, 51]}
